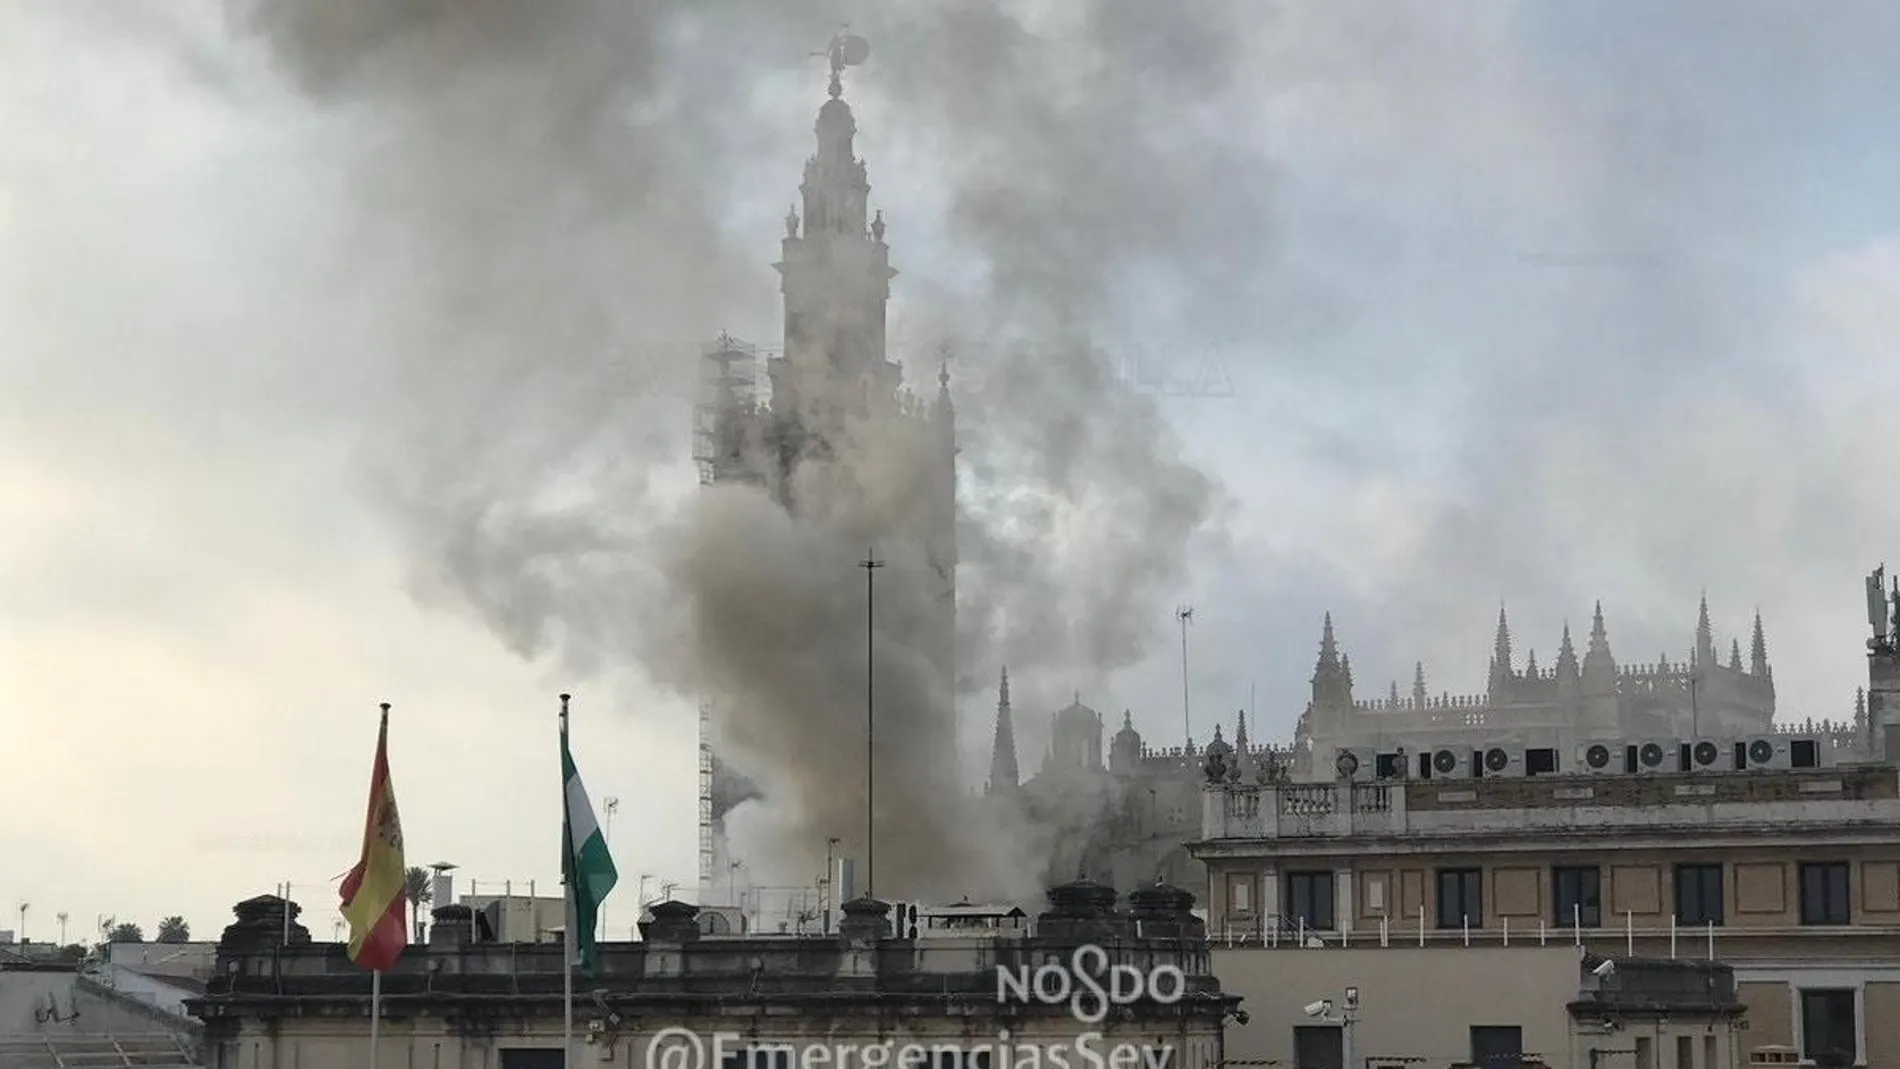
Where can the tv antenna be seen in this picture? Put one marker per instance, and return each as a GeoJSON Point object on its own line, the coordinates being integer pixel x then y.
{"type": "Point", "coordinates": [1884, 627]}
{"type": "Point", "coordinates": [1185, 614]}
{"type": "Point", "coordinates": [845, 50]}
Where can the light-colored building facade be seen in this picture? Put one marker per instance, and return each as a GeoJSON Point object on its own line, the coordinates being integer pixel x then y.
{"type": "Point", "coordinates": [195, 960]}
{"type": "Point", "coordinates": [511, 918]}
{"type": "Point", "coordinates": [1123, 810]}
{"type": "Point", "coordinates": [1442, 1006]}
{"type": "Point", "coordinates": [1576, 698]}
{"type": "Point", "coordinates": [1790, 876]}
{"type": "Point", "coordinates": [458, 1004]}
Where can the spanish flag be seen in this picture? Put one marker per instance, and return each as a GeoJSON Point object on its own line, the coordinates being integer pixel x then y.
{"type": "Point", "coordinates": [374, 892]}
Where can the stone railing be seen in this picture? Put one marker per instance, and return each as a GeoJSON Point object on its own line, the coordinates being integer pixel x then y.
{"type": "Point", "coordinates": [1305, 809]}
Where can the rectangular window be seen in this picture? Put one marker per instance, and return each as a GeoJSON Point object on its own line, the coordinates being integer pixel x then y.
{"type": "Point", "coordinates": [1309, 899]}
{"type": "Point", "coordinates": [1698, 895]}
{"type": "Point", "coordinates": [1578, 892]}
{"type": "Point", "coordinates": [1240, 894]}
{"type": "Point", "coordinates": [1685, 1052]}
{"type": "Point", "coordinates": [1319, 1046]}
{"type": "Point", "coordinates": [1497, 1046]}
{"type": "Point", "coordinates": [1460, 898]}
{"type": "Point", "coordinates": [1824, 893]}
{"type": "Point", "coordinates": [1828, 1032]}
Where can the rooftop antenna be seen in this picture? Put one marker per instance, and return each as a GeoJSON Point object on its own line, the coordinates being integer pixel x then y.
{"type": "Point", "coordinates": [1877, 608]}
{"type": "Point", "coordinates": [1185, 614]}
{"type": "Point", "coordinates": [845, 50]}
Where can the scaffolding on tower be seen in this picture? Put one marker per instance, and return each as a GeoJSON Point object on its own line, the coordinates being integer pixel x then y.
{"type": "Point", "coordinates": [728, 402]}
{"type": "Point", "coordinates": [728, 393]}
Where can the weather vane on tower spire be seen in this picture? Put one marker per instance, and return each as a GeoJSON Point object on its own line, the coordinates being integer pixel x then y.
{"type": "Point", "coordinates": [845, 50]}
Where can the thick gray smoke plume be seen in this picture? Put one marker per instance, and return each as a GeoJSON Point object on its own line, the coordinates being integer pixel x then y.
{"type": "Point", "coordinates": [542, 188]}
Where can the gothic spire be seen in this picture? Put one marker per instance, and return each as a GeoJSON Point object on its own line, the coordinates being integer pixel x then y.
{"type": "Point", "coordinates": [1501, 667]}
{"type": "Point", "coordinates": [1004, 776]}
{"type": "Point", "coordinates": [1735, 654]}
{"type": "Point", "coordinates": [1599, 667]}
{"type": "Point", "coordinates": [1418, 682]}
{"type": "Point", "coordinates": [1328, 648]}
{"type": "Point", "coordinates": [1704, 635]}
{"type": "Point", "coordinates": [943, 411]}
{"type": "Point", "coordinates": [1332, 676]}
{"type": "Point", "coordinates": [1567, 670]}
{"type": "Point", "coordinates": [1240, 733]}
{"type": "Point", "coordinates": [1758, 650]}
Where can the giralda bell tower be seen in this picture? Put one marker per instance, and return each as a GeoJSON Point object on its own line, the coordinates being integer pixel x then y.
{"type": "Point", "coordinates": [834, 371]}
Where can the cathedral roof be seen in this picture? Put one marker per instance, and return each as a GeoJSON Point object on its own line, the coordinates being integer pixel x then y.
{"type": "Point", "coordinates": [1077, 713]}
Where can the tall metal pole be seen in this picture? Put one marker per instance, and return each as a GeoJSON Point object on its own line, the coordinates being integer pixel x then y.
{"type": "Point", "coordinates": [569, 913]}
{"type": "Point", "coordinates": [607, 834]}
{"type": "Point", "coordinates": [870, 564]}
{"type": "Point", "coordinates": [825, 882]}
{"type": "Point", "coordinates": [1186, 616]}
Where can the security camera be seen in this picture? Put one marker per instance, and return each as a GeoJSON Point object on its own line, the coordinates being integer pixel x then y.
{"type": "Point", "coordinates": [1607, 968]}
{"type": "Point", "coordinates": [1241, 1018]}
{"type": "Point", "coordinates": [1320, 1008]}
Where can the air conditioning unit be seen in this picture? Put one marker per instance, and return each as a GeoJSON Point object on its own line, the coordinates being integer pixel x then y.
{"type": "Point", "coordinates": [1763, 751]}
{"type": "Point", "coordinates": [1705, 755]}
{"type": "Point", "coordinates": [1783, 751]}
{"type": "Point", "coordinates": [1445, 763]}
{"type": "Point", "coordinates": [1653, 756]}
{"type": "Point", "coordinates": [1355, 765]}
{"type": "Point", "coordinates": [1600, 759]}
{"type": "Point", "coordinates": [1496, 761]}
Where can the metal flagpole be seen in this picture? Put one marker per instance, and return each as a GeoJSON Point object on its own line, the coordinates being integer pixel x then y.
{"type": "Point", "coordinates": [870, 564]}
{"type": "Point", "coordinates": [567, 984]}
{"type": "Point", "coordinates": [567, 900]}
{"type": "Point", "coordinates": [375, 1013]}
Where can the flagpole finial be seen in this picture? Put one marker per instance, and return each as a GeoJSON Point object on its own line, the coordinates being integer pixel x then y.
{"type": "Point", "coordinates": [385, 708]}
{"type": "Point", "coordinates": [564, 700]}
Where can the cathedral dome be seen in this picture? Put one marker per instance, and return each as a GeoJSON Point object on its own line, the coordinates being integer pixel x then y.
{"type": "Point", "coordinates": [1219, 745]}
{"type": "Point", "coordinates": [1078, 715]}
{"type": "Point", "coordinates": [1128, 736]}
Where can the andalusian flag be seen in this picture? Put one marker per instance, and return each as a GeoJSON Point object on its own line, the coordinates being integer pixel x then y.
{"type": "Point", "coordinates": [586, 867]}
{"type": "Point", "coordinates": [374, 893]}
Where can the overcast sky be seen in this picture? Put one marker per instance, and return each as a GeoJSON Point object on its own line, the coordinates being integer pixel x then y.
{"type": "Point", "coordinates": [1525, 302]}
